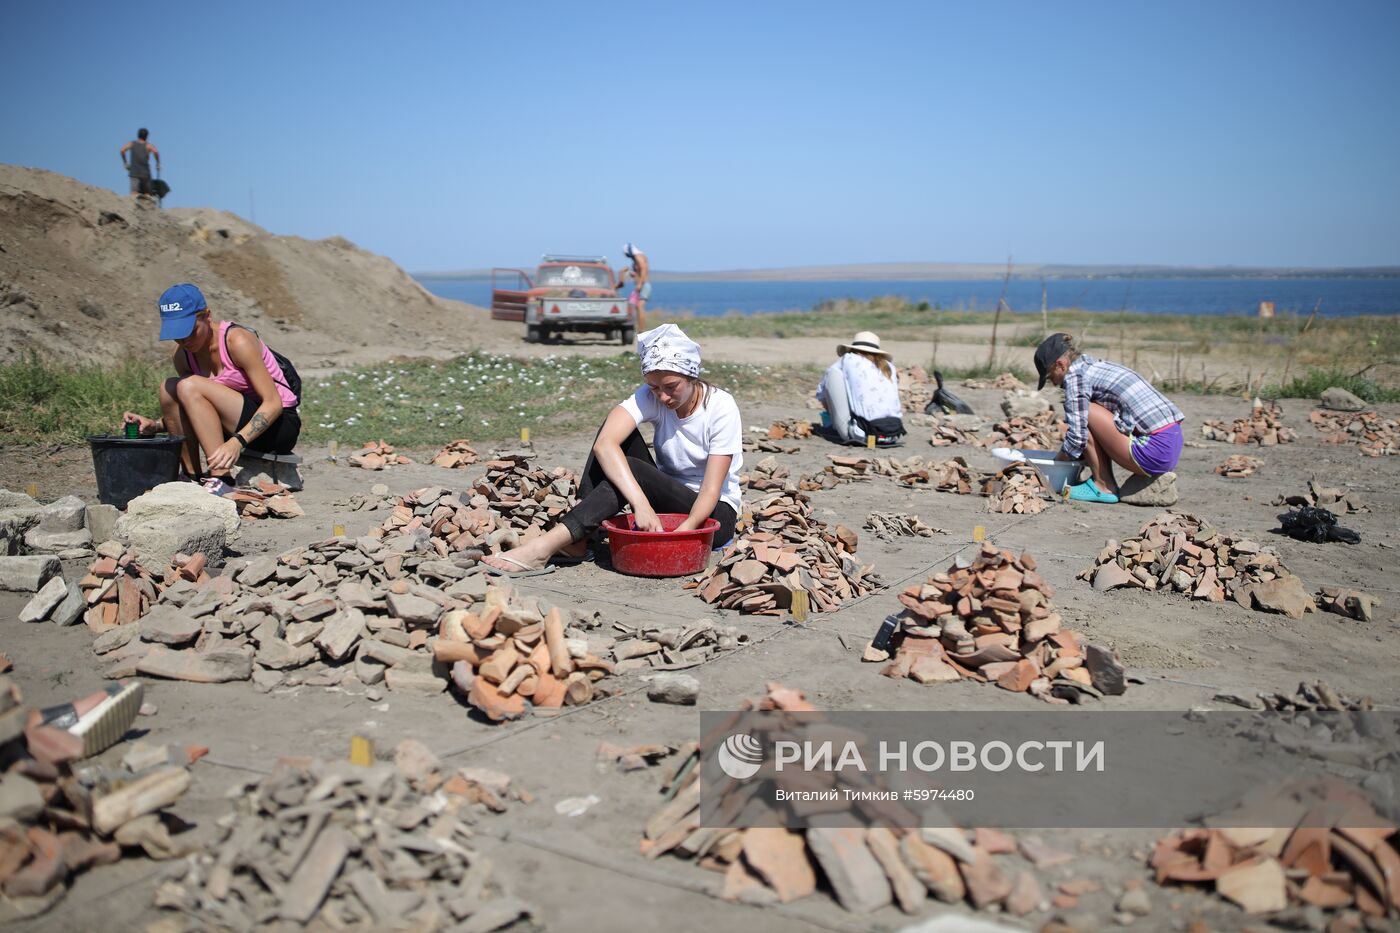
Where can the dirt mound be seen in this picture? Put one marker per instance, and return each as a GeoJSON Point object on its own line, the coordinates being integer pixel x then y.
{"type": "Point", "coordinates": [81, 269]}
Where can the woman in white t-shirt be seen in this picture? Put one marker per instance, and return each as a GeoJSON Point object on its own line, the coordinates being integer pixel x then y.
{"type": "Point", "coordinates": [861, 392]}
{"type": "Point", "coordinates": [698, 445]}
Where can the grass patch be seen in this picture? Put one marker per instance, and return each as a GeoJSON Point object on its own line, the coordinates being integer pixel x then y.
{"type": "Point", "coordinates": [487, 397]}
{"type": "Point", "coordinates": [43, 402]}
{"type": "Point", "coordinates": [1315, 381]}
{"type": "Point", "coordinates": [481, 396]}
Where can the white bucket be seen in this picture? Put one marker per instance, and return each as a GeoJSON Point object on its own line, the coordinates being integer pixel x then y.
{"type": "Point", "coordinates": [1056, 472]}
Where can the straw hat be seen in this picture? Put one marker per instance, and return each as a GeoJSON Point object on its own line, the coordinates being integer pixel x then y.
{"type": "Point", "coordinates": [866, 342]}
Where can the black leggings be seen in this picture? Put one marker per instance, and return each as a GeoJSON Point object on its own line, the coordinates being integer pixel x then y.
{"type": "Point", "coordinates": [599, 500]}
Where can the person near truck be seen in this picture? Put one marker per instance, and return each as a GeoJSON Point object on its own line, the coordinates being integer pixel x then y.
{"type": "Point", "coordinates": [640, 273]}
{"type": "Point", "coordinates": [136, 157]}
{"type": "Point", "coordinates": [230, 392]}
{"type": "Point", "coordinates": [860, 392]}
{"type": "Point", "coordinates": [1113, 415]}
{"type": "Point", "coordinates": [698, 447]}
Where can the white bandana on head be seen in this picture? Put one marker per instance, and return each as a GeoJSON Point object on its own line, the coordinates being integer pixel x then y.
{"type": "Point", "coordinates": [667, 347]}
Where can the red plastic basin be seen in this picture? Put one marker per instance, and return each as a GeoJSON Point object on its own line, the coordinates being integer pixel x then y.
{"type": "Point", "coordinates": [659, 553]}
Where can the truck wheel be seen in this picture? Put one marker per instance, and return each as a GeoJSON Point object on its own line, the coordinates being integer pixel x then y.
{"type": "Point", "coordinates": [532, 333]}
{"type": "Point", "coordinates": [629, 334]}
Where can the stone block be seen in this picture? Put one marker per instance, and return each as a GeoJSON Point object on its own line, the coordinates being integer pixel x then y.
{"type": "Point", "coordinates": [184, 502]}
{"type": "Point", "coordinates": [156, 539]}
{"type": "Point", "coordinates": [102, 522]}
{"type": "Point", "coordinates": [45, 601]}
{"type": "Point", "coordinates": [14, 524]}
{"type": "Point", "coordinates": [27, 574]}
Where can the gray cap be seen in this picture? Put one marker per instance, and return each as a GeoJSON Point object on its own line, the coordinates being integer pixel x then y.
{"type": "Point", "coordinates": [1050, 350]}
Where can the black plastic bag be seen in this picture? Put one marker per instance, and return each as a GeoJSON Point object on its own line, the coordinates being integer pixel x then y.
{"type": "Point", "coordinates": [1317, 525]}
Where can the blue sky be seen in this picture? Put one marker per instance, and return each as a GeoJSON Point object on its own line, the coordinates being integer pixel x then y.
{"type": "Point", "coordinates": [726, 135]}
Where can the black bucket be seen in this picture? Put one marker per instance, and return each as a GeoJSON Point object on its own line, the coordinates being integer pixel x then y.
{"type": "Point", "coordinates": [128, 466]}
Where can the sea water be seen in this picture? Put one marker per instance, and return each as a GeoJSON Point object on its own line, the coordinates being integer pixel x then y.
{"type": "Point", "coordinates": [1339, 297]}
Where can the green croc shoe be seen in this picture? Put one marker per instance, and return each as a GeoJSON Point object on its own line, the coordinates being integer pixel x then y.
{"type": "Point", "coordinates": [1087, 491]}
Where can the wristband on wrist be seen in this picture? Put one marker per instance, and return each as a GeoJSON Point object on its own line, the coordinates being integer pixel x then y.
{"type": "Point", "coordinates": [241, 442]}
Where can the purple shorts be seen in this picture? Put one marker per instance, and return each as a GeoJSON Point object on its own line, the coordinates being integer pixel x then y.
{"type": "Point", "coordinates": [1158, 453]}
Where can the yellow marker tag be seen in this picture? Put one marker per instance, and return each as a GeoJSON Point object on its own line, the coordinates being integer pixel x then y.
{"type": "Point", "coordinates": [524, 435]}
{"type": "Point", "coordinates": [338, 531]}
{"type": "Point", "coordinates": [361, 752]}
{"type": "Point", "coordinates": [800, 605]}
{"type": "Point", "coordinates": [335, 448]}
{"type": "Point", "coordinates": [870, 441]}
{"type": "Point", "coordinates": [979, 533]}
{"type": "Point", "coordinates": [32, 490]}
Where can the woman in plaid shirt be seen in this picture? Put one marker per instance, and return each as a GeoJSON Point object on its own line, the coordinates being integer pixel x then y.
{"type": "Point", "coordinates": [1113, 416]}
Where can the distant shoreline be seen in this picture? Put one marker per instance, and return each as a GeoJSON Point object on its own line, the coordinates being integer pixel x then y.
{"type": "Point", "coordinates": [969, 272]}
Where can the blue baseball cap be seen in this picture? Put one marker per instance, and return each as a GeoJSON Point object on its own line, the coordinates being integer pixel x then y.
{"type": "Point", "coordinates": [178, 306]}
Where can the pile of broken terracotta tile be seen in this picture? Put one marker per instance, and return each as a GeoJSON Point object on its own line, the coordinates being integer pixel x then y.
{"type": "Point", "coordinates": [957, 429]}
{"type": "Point", "coordinates": [510, 504]}
{"type": "Point", "coordinates": [377, 498]}
{"type": "Point", "coordinates": [894, 466]}
{"type": "Point", "coordinates": [952, 475]}
{"type": "Point", "coordinates": [1318, 696]}
{"type": "Point", "coordinates": [1374, 436]}
{"type": "Point", "coordinates": [888, 525]}
{"type": "Point", "coordinates": [514, 655]}
{"type": "Point", "coordinates": [266, 500]}
{"type": "Point", "coordinates": [1318, 862]}
{"type": "Point", "coordinates": [358, 612]}
{"type": "Point", "coordinates": [1016, 489]}
{"type": "Point", "coordinates": [990, 619]}
{"type": "Point", "coordinates": [791, 428]}
{"type": "Point", "coordinates": [762, 441]}
{"type": "Point", "coordinates": [1264, 427]}
{"type": "Point", "coordinates": [56, 826]}
{"type": "Point", "coordinates": [1177, 552]}
{"type": "Point", "coordinates": [1041, 431]}
{"type": "Point", "coordinates": [768, 475]}
{"type": "Point", "coordinates": [440, 519]}
{"type": "Point", "coordinates": [527, 497]}
{"type": "Point", "coordinates": [456, 455]}
{"type": "Point", "coordinates": [1332, 498]}
{"type": "Point", "coordinates": [841, 469]}
{"type": "Point", "coordinates": [864, 869]}
{"type": "Point", "coordinates": [336, 845]}
{"type": "Point", "coordinates": [786, 548]}
{"type": "Point", "coordinates": [118, 590]}
{"type": "Point", "coordinates": [915, 389]}
{"type": "Point", "coordinates": [1238, 466]}
{"type": "Point", "coordinates": [1341, 601]}
{"type": "Point", "coordinates": [672, 647]}
{"type": "Point", "coordinates": [376, 455]}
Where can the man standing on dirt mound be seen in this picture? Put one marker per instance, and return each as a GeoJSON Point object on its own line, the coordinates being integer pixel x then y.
{"type": "Point", "coordinates": [138, 164]}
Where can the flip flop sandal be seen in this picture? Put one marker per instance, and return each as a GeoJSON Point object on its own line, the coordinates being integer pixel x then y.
{"type": "Point", "coordinates": [102, 726]}
{"type": "Point", "coordinates": [524, 571]}
{"type": "Point", "coordinates": [1088, 491]}
{"type": "Point", "coordinates": [568, 560]}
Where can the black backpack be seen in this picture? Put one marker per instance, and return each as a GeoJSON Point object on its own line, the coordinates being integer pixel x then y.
{"type": "Point", "coordinates": [289, 372]}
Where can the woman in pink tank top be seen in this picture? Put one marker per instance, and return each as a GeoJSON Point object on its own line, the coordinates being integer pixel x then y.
{"type": "Point", "coordinates": [230, 393]}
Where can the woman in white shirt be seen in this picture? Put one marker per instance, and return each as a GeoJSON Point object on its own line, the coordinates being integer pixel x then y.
{"type": "Point", "coordinates": [861, 392]}
{"type": "Point", "coordinates": [698, 443]}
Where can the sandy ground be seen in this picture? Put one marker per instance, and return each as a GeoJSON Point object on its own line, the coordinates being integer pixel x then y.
{"type": "Point", "coordinates": [584, 873]}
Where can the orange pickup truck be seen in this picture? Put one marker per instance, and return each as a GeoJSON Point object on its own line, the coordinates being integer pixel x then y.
{"type": "Point", "coordinates": [566, 293]}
